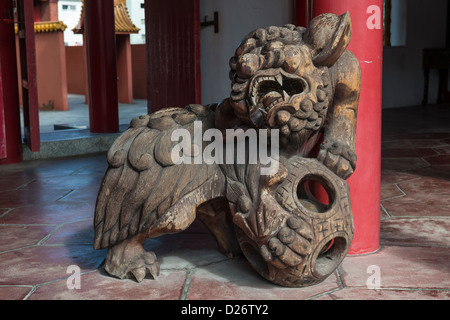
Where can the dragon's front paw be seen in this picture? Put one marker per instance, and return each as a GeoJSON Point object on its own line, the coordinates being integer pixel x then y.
{"type": "Point", "coordinates": [338, 157]}
{"type": "Point", "coordinates": [291, 244]}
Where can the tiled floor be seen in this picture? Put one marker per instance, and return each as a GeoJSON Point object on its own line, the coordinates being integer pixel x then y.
{"type": "Point", "coordinates": [46, 211]}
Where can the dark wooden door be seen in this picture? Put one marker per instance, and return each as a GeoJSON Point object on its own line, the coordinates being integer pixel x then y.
{"type": "Point", "coordinates": [173, 53]}
{"type": "Point", "coordinates": [25, 17]}
{"type": "Point", "coordinates": [3, 153]}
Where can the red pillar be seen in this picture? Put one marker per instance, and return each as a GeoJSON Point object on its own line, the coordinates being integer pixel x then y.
{"type": "Point", "coordinates": [367, 45]}
{"type": "Point", "coordinates": [9, 93]}
{"type": "Point", "coordinates": [302, 12]}
{"type": "Point", "coordinates": [102, 67]}
{"type": "Point", "coordinates": [124, 69]}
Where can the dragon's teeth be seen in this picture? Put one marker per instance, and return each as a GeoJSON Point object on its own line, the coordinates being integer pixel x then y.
{"type": "Point", "coordinates": [279, 79]}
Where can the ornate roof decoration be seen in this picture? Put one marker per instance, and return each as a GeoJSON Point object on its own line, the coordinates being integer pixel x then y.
{"type": "Point", "coordinates": [48, 26]}
{"type": "Point", "coordinates": [123, 23]}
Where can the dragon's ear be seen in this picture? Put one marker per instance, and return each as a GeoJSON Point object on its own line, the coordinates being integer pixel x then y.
{"type": "Point", "coordinates": [328, 35]}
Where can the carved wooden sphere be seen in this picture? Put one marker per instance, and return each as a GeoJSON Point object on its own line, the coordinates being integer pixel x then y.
{"type": "Point", "coordinates": [299, 241]}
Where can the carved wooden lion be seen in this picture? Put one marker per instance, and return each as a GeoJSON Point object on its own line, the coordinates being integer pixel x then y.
{"type": "Point", "coordinates": [299, 81]}
{"type": "Point", "coordinates": [302, 81]}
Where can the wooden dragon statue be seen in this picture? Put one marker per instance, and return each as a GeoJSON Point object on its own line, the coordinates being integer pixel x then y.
{"type": "Point", "coordinates": [289, 84]}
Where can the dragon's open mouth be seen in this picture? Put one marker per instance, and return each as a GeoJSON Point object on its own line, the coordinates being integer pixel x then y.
{"type": "Point", "coordinates": [268, 90]}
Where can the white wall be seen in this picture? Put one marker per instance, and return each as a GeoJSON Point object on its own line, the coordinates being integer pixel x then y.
{"type": "Point", "coordinates": [137, 15]}
{"type": "Point", "coordinates": [236, 19]}
{"type": "Point", "coordinates": [402, 66]}
{"type": "Point", "coordinates": [399, 22]}
{"type": "Point", "coordinates": [70, 15]}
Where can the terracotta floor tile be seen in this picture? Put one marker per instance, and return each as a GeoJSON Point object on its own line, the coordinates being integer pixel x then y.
{"type": "Point", "coordinates": [24, 197]}
{"type": "Point", "coordinates": [438, 160]}
{"type": "Point", "coordinates": [235, 279]}
{"type": "Point", "coordinates": [400, 267]}
{"type": "Point", "coordinates": [49, 213]}
{"type": "Point", "coordinates": [383, 294]}
{"type": "Point", "coordinates": [443, 149]}
{"type": "Point", "coordinates": [408, 152]}
{"type": "Point", "coordinates": [70, 181]}
{"type": "Point", "coordinates": [416, 232]}
{"type": "Point", "coordinates": [14, 293]}
{"type": "Point", "coordinates": [419, 205]}
{"type": "Point", "coordinates": [383, 214]}
{"type": "Point", "coordinates": [389, 191]}
{"type": "Point", "coordinates": [185, 250]}
{"type": "Point", "coordinates": [87, 195]}
{"type": "Point", "coordinates": [412, 143]}
{"type": "Point", "coordinates": [12, 181]}
{"type": "Point", "coordinates": [35, 265]}
{"type": "Point", "coordinates": [93, 164]}
{"type": "Point", "coordinates": [81, 232]}
{"type": "Point", "coordinates": [396, 176]}
{"type": "Point", "coordinates": [60, 167]}
{"type": "Point", "coordinates": [426, 185]}
{"type": "Point", "coordinates": [13, 237]}
{"type": "Point", "coordinates": [98, 286]}
{"type": "Point", "coordinates": [55, 168]}
{"type": "Point", "coordinates": [403, 163]}
{"type": "Point", "coordinates": [99, 168]}
{"type": "Point", "coordinates": [439, 136]}
{"type": "Point", "coordinates": [441, 172]}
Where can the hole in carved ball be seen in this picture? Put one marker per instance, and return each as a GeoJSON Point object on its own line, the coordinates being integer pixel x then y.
{"type": "Point", "coordinates": [315, 194]}
{"type": "Point", "coordinates": [330, 255]}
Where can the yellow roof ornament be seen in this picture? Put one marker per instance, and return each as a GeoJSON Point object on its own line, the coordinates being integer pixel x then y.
{"type": "Point", "coordinates": [47, 26]}
{"type": "Point", "coordinates": [123, 23]}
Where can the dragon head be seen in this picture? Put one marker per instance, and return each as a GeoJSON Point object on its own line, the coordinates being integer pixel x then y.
{"type": "Point", "coordinates": [280, 75]}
